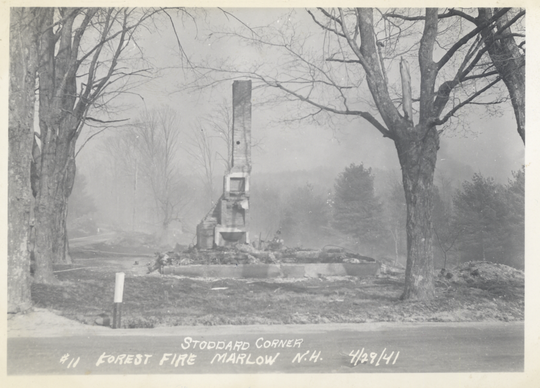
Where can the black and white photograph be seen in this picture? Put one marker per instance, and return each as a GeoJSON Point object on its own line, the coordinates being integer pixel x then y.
{"type": "Point", "coordinates": [257, 194]}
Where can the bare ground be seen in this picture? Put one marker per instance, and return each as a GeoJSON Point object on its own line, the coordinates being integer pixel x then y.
{"type": "Point", "coordinates": [476, 291]}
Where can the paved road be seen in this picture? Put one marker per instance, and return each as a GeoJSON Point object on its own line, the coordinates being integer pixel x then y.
{"type": "Point", "coordinates": [363, 348]}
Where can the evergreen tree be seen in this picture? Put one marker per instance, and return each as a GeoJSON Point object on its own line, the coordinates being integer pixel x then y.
{"type": "Point", "coordinates": [445, 231]}
{"type": "Point", "coordinates": [481, 212]}
{"type": "Point", "coordinates": [357, 211]}
{"type": "Point", "coordinates": [516, 218]}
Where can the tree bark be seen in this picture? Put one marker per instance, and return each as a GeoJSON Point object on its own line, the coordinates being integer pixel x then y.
{"type": "Point", "coordinates": [406, 89]}
{"type": "Point", "coordinates": [509, 62]}
{"type": "Point", "coordinates": [418, 156]}
{"type": "Point", "coordinates": [417, 147]}
{"type": "Point", "coordinates": [24, 31]}
{"type": "Point", "coordinates": [58, 135]}
{"type": "Point", "coordinates": [57, 178]}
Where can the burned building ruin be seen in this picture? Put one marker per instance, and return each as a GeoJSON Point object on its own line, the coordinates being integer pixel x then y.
{"type": "Point", "coordinates": [228, 221]}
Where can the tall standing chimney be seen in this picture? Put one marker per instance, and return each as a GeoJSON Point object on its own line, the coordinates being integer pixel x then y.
{"type": "Point", "coordinates": [241, 136]}
{"type": "Point", "coordinates": [228, 221]}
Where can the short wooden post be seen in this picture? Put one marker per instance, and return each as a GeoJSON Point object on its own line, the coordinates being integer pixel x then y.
{"type": "Point", "coordinates": [118, 296]}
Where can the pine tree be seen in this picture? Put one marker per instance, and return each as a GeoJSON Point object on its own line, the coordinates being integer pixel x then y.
{"type": "Point", "coordinates": [357, 211]}
{"type": "Point", "coordinates": [445, 231]}
{"type": "Point", "coordinates": [515, 196]}
{"type": "Point", "coordinates": [481, 212]}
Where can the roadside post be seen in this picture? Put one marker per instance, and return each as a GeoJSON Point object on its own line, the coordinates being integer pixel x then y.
{"type": "Point", "coordinates": [118, 295]}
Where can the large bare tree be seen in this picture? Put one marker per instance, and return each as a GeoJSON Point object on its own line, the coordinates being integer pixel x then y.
{"type": "Point", "coordinates": [80, 70]}
{"type": "Point", "coordinates": [26, 25]}
{"type": "Point", "coordinates": [156, 139]}
{"type": "Point", "coordinates": [504, 41]}
{"type": "Point", "coordinates": [405, 72]}
{"type": "Point", "coordinates": [506, 49]}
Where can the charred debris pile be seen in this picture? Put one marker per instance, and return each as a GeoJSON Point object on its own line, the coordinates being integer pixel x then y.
{"type": "Point", "coordinates": [480, 272]}
{"type": "Point", "coordinates": [273, 253]}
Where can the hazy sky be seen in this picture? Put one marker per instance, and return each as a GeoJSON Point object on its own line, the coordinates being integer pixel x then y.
{"type": "Point", "coordinates": [490, 145]}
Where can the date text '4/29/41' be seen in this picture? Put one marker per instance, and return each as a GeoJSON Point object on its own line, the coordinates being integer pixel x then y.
{"type": "Point", "coordinates": [362, 357]}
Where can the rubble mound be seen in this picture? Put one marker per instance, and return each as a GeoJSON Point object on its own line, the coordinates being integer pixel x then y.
{"type": "Point", "coordinates": [247, 254]}
{"type": "Point", "coordinates": [475, 272]}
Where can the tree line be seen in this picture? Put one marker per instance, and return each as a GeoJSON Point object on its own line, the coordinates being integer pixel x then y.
{"type": "Point", "coordinates": [480, 220]}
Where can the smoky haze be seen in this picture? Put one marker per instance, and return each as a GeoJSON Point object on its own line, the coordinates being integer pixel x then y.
{"type": "Point", "coordinates": [285, 156]}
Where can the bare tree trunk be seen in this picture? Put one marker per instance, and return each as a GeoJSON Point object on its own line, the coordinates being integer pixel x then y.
{"type": "Point", "coordinates": [24, 30]}
{"type": "Point", "coordinates": [417, 156]}
{"type": "Point", "coordinates": [58, 135]}
{"type": "Point", "coordinates": [509, 62]}
{"type": "Point", "coordinates": [51, 242]}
